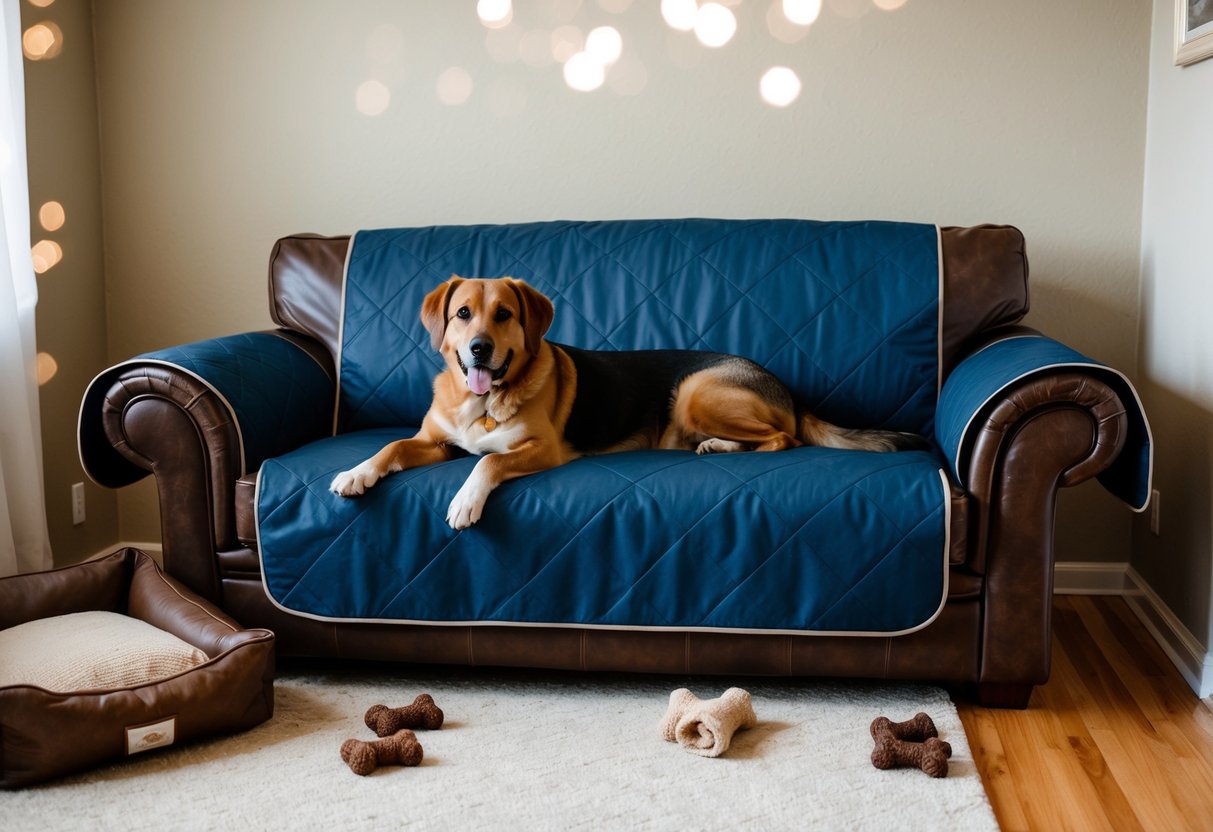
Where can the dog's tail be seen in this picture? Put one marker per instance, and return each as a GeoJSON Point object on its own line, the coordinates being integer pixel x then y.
{"type": "Point", "coordinates": [813, 431]}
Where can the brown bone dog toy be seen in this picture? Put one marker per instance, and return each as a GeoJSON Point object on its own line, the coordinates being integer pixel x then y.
{"type": "Point", "coordinates": [423, 713]}
{"type": "Point", "coordinates": [891, 751]}
{"type": "Point", "coordinates": [920, 728]}
{"type": "Point", "coordinates": [400, 749]}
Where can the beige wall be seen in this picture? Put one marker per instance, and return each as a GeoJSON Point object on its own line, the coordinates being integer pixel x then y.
{"type": "Point", "coordinates": [64, 165]}
{"type": "Point", "coordinates": [1177, 329]}
{"type": "Point", "coordinates": [228, 124]}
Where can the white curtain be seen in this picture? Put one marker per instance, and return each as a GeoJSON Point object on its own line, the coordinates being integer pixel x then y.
{"type": "Point", "coordinates": [24, 542]}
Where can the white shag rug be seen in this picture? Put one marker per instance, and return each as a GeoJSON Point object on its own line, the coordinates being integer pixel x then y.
{"type": "Point", "coordinates": [530, 751]}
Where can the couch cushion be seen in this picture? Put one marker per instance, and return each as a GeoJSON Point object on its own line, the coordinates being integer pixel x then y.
{"type": "Point", "coordinates": [845, 313]}
{"type": "Point", "coordinates": [806, 540]}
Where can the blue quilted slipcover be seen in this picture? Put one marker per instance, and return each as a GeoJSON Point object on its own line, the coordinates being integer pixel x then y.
{"type": "Point", "coordinates": [807, 541]}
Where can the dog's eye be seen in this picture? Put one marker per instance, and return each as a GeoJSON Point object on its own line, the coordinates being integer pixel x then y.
{"type": "Point", "coordinates": [503, 314]}
{"type": "Point", "coordinates": [464, 313]}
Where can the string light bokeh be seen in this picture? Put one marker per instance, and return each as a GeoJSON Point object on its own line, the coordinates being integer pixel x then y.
{"type": "Point", "coordinates": [591, 61]}
{"type": "Point", "coordinates": [43, 41]}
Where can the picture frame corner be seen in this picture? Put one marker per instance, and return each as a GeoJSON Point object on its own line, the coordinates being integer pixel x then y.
{"type": "Point", "coordinates": [1193, 43]}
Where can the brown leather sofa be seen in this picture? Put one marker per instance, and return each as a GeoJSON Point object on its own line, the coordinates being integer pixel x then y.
{"type": "Point", "coordinates": [1057, 429]}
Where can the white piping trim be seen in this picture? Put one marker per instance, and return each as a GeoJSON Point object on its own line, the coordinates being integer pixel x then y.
{"type": "Point", "coordinates": [345, 276]}
{"type": "Point", "coordinates": [1066, 365]}
{"type": "Point", "coordinates": [943, 601]}
{"type": "Point", "coordinates": [939, 323]}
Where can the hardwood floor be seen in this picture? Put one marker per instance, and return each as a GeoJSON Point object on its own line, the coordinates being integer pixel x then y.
{"type": "Point", "coordinates": [1115, 740]}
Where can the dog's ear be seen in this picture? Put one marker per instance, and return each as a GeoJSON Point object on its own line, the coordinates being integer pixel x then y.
{"type": "Point", "coordinates": [434, 310]}
{"type": "Point", "coordinates": [535, 311]}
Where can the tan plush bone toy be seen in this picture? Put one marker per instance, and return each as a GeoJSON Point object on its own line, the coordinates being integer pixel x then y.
{"type": "Point", "coordinates": [706, 727]}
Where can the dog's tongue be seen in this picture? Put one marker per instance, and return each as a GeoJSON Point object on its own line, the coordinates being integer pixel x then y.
{"type": "Point", "coordinates": [479, 380]}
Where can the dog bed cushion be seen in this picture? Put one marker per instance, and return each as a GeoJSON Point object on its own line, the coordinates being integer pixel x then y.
{"type": "Point", "coordinates": [88, 650]}
{"type": "Point", "coordinates": [45, 733]}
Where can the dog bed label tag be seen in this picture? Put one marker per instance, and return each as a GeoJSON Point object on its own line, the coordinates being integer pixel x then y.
{"type": "Point", "coordinates": [146, 737]}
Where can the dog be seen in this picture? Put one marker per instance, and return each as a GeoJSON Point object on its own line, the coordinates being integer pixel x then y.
{"type": "Point", "coordinates": [524, 404]}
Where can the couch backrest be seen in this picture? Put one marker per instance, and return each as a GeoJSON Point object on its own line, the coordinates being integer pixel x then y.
{"type": "Point", "coordinates": [709, 267]}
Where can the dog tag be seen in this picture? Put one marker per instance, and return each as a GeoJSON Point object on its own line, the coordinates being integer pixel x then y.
{"type": "Point", "coordinates": [489, 423]}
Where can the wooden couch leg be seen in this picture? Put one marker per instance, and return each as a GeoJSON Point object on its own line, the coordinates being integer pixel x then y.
{"type": "Point", "coordinates": [995, 695]}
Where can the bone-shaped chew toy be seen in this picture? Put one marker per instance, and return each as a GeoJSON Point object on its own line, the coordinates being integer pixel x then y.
{"type": "Point", "coordinates": [423, 713]}
{"type": "Point", "coordinates": [897, 744]}
{"type": "Point", "coordinates": [400, 749]}
{"type": "Point", "coordinates": [706, 727]}
{"type": "Point", "coordinates": [920, 728]}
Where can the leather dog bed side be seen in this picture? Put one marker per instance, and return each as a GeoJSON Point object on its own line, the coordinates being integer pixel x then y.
{"type": "Point", "coordinates": [44, 734]}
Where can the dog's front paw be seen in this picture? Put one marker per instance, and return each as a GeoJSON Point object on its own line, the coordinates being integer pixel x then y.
{"type": "Point", "coordinates": [468, 504]}
{"type": "Point", "coordinates": [356, 481]}
{"type": "Point", "coordinates": [715, 445]}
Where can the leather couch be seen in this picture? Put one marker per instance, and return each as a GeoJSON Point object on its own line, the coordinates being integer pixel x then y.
{"type": "Point", "coordinates": [1050, 429]}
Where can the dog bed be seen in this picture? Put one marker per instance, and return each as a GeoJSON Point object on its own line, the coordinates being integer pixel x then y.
{"type": "Point", "coordinates": [112, 657]}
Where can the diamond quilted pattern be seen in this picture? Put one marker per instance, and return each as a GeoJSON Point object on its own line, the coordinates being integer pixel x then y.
{"type": "Point", "coordinates": [810, 540]}
{"type": "Point", "coordinates": [683, 290]}
{"type": "Point", "coordinates": [844, 313]}
{"type": "Point", "coordinates": [813, 540]}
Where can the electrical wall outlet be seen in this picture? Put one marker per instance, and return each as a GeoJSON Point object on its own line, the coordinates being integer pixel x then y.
{"type": "Point", "coordinates": [77, 503]}
{"type": "Point", "coordinates": [1155, 500]}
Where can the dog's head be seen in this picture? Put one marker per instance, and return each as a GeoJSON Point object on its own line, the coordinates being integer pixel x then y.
{"type": "Point", "coordinates": [486, 329]}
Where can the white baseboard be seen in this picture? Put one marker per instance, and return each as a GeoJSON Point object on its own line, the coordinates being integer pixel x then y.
{"type": "Point", "coordinates": [1079, 578]}
{"type": "Point", "coordinates": [1186, 652]}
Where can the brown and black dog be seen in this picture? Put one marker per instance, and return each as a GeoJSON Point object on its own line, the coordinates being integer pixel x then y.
{"type": "Point", "coordinates": [524, 404]}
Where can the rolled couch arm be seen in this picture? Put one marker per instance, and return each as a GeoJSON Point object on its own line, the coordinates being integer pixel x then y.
{"type": "Point", "coordinates": [200, 416]}
{"type": "Point", "coordinates": [1018, 419]}
{"type": "Point", "coordinates": [989, 381]}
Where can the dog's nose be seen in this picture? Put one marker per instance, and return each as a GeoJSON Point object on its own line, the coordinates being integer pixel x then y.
{"type": "Point", "coordinates": [481, 347]}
